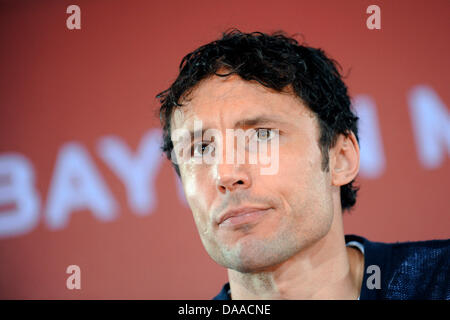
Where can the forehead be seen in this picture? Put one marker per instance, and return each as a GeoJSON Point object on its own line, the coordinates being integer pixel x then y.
{"type": "Point", "coordinates": [221, 101]}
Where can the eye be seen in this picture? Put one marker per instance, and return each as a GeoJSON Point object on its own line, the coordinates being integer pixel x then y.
{"type": "Point", "coordinates": [264, 134]}
{"type": "Point", "coordinates": [201, 148]}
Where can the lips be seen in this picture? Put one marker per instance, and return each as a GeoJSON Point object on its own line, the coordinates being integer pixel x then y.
{"type": "Point", "coordinates": [241, 215]}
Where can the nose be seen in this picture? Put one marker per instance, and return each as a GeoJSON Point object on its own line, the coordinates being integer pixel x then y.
{"type": "Point", "coordinates": [231, 177]}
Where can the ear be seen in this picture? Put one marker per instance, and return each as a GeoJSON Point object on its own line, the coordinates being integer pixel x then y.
{"type": "Point", "coordinates": [344, 160]}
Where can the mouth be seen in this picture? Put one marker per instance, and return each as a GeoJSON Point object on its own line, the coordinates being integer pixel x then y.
{"type": "Point", "coordinates": [240, 216]}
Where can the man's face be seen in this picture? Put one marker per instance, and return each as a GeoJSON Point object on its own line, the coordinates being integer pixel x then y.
{"type": "Point", "coordinates": [275, 216]}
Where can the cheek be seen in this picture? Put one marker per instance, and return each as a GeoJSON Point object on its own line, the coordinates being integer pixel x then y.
{"type": "Point", "coordinates": [191, 177]}
{"type": "Point", "coordinates": [303, 183]}
{"type": "Point", "coordinates": [198, 194]}
{"type": "Point", "coordinates": [295, 171]}
{"type": "Point", "coordinates": [190, 185]}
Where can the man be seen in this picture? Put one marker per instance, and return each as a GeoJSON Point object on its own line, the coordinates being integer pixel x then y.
{"type": "Point", "coordinates": [280, 234]}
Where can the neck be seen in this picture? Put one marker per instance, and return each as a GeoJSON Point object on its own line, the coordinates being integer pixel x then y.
{"type": "Point", "coordinates": [326, 269]}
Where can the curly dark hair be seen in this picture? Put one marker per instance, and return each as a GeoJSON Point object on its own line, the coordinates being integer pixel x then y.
{"type": "Point", "coordinates": [276, 61]}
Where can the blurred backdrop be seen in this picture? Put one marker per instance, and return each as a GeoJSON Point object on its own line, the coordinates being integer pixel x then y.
{"type": "Point", "coordinates": [82, 180]}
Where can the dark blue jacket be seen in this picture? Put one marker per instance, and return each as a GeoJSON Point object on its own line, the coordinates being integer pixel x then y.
{"type": "Point", "coordinates": [408, 270]}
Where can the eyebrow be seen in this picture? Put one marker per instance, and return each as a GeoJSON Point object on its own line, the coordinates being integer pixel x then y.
{"type": "Point", "coordinates": [258, 121]}
{"type": "Point", "coordinates": [248, 122]}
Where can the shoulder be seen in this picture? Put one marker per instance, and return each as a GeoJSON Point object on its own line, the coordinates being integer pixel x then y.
{"type": "Point", "coordinates": [409, 270]}
{"type": "Point", "coordinates": [224, 293]}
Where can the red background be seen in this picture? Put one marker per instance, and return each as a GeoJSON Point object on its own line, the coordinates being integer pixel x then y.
{"type": "Point", "coordinates": [59, 85]}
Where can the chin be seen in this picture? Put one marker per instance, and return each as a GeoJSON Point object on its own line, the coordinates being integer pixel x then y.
{"type": "Point", "coordinates": [253, 267]}
{"type": "Point", "coordinates": [251, 255]}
